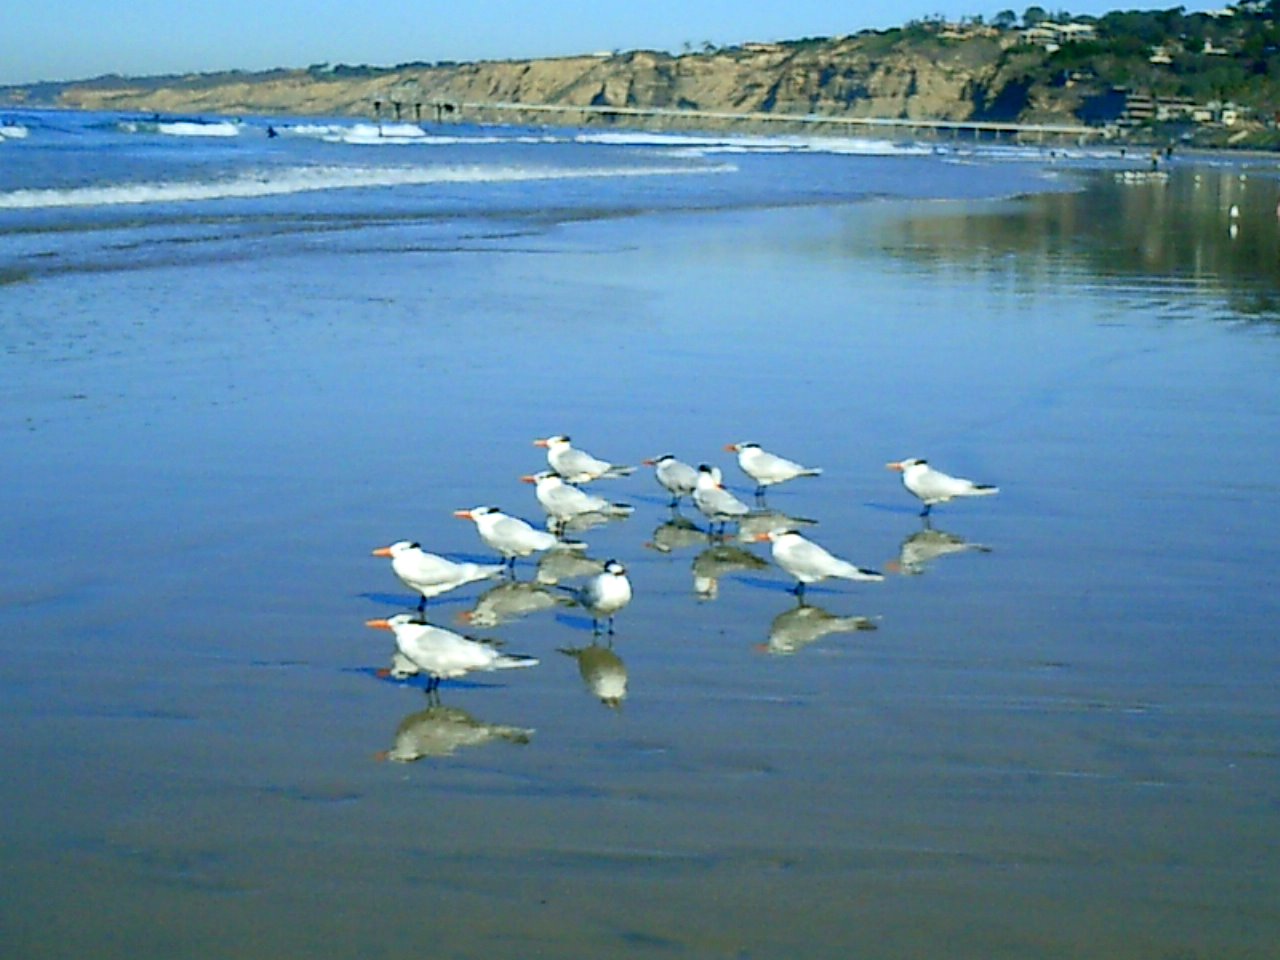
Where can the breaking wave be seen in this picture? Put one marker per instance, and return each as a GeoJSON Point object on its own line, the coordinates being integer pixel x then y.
{"type": "Point", "coordinates": [289, 180]}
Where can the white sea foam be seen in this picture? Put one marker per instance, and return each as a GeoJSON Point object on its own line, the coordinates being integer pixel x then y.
{"type": "Point", "coordinates": [192, 128]}
{"type": "Point", "coordinates": [13, 131]}
{"type": "Point", "coordinates": [691, 144]}
{"type": "Point", "coordinates": [182, 128]}
{"type": "Point", "coordinates": [279, 182]}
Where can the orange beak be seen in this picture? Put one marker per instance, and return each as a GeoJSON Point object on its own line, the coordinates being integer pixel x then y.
{"type": "Point", "coordinates": [528, 478]}
{"type": "Point", "coordinates": [894, 466]}
{"type": "Point", "coordinates": [464, 616]}
{"type": "Point", "coordinates": [541, 443]}
{"type": "Point", "coordinates": [382, 552]}
{"type": "Point", "coordinates": [647, 463]}
{"type": "Point", "coordinates": [463, 514]}
{"type": "Point", "coordinates": [378, 624]}
{"type": "Point", "coordinates": [731, 447]}
{"type": "Point", "coordinates": [760, 537]}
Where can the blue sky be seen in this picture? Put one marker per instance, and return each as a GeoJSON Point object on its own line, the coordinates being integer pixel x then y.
{"type": "Point", "coordinates": [85, 38]}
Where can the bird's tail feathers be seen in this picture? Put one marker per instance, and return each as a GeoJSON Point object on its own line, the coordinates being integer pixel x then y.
{"type": "Point", "coordinates": [619, 510]}
{"type": "Point", "coordinates": [810, 472]}
{"type": "Point", "coordinates": [983, 490]}
{"type": "Point", "coordinates": [851, 572]}
{"type": "Point", "coordinates": [484, 571]}
{"type": "Point", "coordinates": [618, 471]}
{"type": "Point", "coordinates": [509, 661]}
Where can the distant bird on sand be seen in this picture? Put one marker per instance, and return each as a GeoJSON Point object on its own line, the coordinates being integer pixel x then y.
{"type": "Point", "coordinates": [809, 563]}
{"type": "Point", "coordinates": [933, 486]}
{"type": "Point", "coordinates": [564, 502]}
{"type": "Point", "coordinates": [511, 536]}
{"type": "Point", "coordinates": [442, 654]}
{"type": "Point", "coordinates": [604, 594]}
{"type": "Point", "coordinates": [766, 468]}
{"type": "Point", "coordinates": [432, 575]}
{"type": "Point", "coordinates": [715, 502]}
{"type": "Point", "coordinates": [675, 476]}
{"type": "Point", "coordinates": [578, 466]}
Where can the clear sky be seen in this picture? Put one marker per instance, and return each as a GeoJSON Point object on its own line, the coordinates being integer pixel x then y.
{"type": "Point", "coordinates": [77, 39]}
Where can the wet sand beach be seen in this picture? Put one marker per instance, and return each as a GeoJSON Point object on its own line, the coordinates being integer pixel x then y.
{"type": "Point", "coordinates": [1053, 736]}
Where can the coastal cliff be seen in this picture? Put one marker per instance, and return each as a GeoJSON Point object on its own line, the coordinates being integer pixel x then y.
{"type": "Point", "coordinates": [922, 73]}
{"type": "Point", "coordinates": [843, 77]}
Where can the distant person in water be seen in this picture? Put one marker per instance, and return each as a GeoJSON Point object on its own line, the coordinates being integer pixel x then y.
{"type": "Point", "coordinates": [271, 132]}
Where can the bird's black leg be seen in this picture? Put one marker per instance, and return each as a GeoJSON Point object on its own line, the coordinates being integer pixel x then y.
{"type": "Point", "coordinates": [927, 508]}
{"type": "Point", "coordinates": [422, 604]}
{"type": "Point", "coordinates": [799, 590]}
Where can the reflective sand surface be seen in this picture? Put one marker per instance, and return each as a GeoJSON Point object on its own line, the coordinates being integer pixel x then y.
{"type": "Point", "coordinates": [1059, 739]}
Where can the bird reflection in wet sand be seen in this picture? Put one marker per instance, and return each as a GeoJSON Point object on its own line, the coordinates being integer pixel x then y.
{"type": "Point", "coordinates": [402, 668]}
{"type": "Point", "coordinates": [510, 601]}
{"type": "Point", "coordinates": [677, 534]}
{"type": "Point", "coordinates": [556, 566]}
{"type": "Point", "coordinates": [924, 546]}
{"type": "Point", "coordinates": [441, 731]}
{"type": "Point", "coordinates": [804, 624]}
{"type": "Point", "coordinates": [602, 671]}
{"type": "Point", "coordinates": [442, 654]}
{"type": "Point", "coordinates": [768, 521]}
{"type": "Point", "coordinates": [717, 561]}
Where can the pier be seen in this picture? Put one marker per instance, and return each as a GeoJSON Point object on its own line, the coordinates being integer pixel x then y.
{"type": "Point", "coordinates": [1013, 130]}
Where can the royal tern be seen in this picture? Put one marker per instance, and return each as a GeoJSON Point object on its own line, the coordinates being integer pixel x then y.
{"type": "Point", "coordinates": [511, 536]}
{"type": "Point", "coordinates": [432, 575]}
{"type": "Point", "coordinates": [675, 476]}
{"type": "Point", "coordinates": [802, 625]}
{"type": "Point", "coordinates": [766, 468]}
{"type": "Point", "coordinates": [715, 502]}
{"type": "Point", "coordinates": [442, 654]}
{"type": "Point", "coordinates": [602, 671]}
{"type": "Point", "coordinates": [933, 486]}
{"type": "Point", "coordinates": [564, 502]}
{"type": "Point", "coordinates": [604, 594]}
{"type": "Point", "coordinates": [809, 563]}
{"type": "Point", "coordinates": [441, 731]}
{"type": "Point", "coordinates": [578, 466]}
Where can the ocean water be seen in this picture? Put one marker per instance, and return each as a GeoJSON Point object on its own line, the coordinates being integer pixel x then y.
{"type": "Point", "coordinates": [234, 364]}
